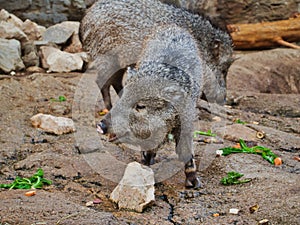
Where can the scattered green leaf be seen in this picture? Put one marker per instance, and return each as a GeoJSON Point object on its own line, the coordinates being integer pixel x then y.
{"type": "Point", "coordinates": [266, 153]}
{"type": "Point", "coordinates": [240, 121]}
{"type": "Point", "coordinates": [35, 181]}
{"type": "Point", "coordinates": [60, 98]}
{"type": "Point", "coordinates": [233, 178]}
{"type": "Point", "coordinates": [208, 133]}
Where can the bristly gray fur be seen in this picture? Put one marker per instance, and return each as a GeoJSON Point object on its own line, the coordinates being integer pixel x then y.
{"type": "Point", "coordinates": [171, 61]}
{"type": "Point", "coordinates": [178, 57]}
{"type": "Point", "coordinates": [110, 24]}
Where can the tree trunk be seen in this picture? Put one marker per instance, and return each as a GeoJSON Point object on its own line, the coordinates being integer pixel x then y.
{"type": "Point", "coordinates": [266, 35]}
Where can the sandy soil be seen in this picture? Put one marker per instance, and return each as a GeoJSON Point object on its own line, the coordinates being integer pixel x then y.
{"type": "Point", "coordinates": [75, 181]}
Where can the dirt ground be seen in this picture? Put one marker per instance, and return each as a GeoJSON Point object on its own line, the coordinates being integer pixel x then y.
{"type": "Point", "coordinates": [263, 98]}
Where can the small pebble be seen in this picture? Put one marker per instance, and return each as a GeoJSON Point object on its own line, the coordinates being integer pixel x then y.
{"type": "Point", "coordinates": [234, 211]}
{"type": "Point", "coordinates": [297, 158]}
{"type": "Point", "coordinates": [217, 119]}
{"type": "Point", "coordinates": [263, 222]}
{"type": "Point", "coordinates": [89, 203]}
{"type": "Point", "coordinates": [219, 152]}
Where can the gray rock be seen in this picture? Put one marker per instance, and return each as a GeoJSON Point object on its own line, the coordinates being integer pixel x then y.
{"type": "Point", "coordinates": [265, 72]}
{"type": "Point", "coordinates": [10, 55]}
{"type": "Point", "coordinates": [58, 61]}
{"type": "Point", "coordinates": [57, 34]}
{"type": "Point", "coordinates": [88, 141]}
{"type": "Point", "coordinates": [235, 132]}
{"type": "Point", "coordinates": [52, 124]}
{"type": "Point", "coordinates": [33, 30]}
{"type": "Point", "coordinates": [136, 189]}
{"type": "Point", "coordinates": [34, 69]}
{"type": "Point", "coordinates": [75, 43]}
{"type": "Point", "coordinates": [30, 55]}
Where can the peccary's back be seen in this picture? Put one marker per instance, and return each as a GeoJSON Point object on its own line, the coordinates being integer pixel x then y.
{"type": "Point", "coordinates": [111, 23]}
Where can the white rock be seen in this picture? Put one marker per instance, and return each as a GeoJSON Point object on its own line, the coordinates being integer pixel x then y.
{"type": "Point", "coordinates": [10, 18]}
{"type": "Point", "coordinates": [10, 55]}
{"type": "Point", "coordinates": [56, 60]}
{"type": "Point", "coordinates": [52, 124]}
{"type": "Point", "coordinates": [136, 189]}
{"type": "Point", "coordinates": [10, 31]}
{"type": "Point", "coordinates": [84, 56]}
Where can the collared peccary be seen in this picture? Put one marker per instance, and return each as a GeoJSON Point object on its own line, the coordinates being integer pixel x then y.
{"type": "Point", "coordinates": [159, 97]}
{"type": "Point", "coordinates": [178, 56]}
{"type": "Point", "coordinates": [120, 27]}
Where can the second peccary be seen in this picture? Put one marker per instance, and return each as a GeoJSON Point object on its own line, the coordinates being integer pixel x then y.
{"type": "Point", "coordinates": [160, 97]}
{"type": "Point", "coordinates": [114, 31]}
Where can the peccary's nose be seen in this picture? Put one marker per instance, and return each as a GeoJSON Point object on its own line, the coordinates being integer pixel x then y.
{"type": "Point", "coordinates": [102, 127]}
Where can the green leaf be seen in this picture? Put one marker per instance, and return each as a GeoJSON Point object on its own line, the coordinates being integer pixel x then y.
{"type": "Point", "coordinates": [39, 173]}
{"type": "Point", "coordinates": [240, 121]}
{"type": "Point", "coordinates": [266, 153]}
{"type": "Point", "coordinates": [62, 98]}
{"type": "Point", "coordinates": [35, 181]}
{"type": "Point", "coordinates": [208, 133]}
{"type": "Point", "coordinates": [233, 178]}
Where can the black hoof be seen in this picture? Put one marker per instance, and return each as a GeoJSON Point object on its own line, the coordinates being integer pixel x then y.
{"type": "Point", "coordinates": [193, 182]}
{"type": "Point", "coordinates": [148, 158]}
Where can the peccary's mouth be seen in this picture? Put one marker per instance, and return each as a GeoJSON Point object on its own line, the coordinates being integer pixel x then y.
{"type": "Point", "coordinates": [111, 137]}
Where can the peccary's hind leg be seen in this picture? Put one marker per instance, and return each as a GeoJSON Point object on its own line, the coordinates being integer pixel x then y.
{"type": "Point", "coordinates": [148, 157]}
{"type": "Point", "coordinates": [106, 96]}
{"type": "Point", "coordinates": [116, 81]}
{"type": "Point", "coordinates": [191, 176]}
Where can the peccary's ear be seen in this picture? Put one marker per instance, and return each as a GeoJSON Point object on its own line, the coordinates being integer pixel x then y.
{"type": "Point", "coordinates": [216, 48]}
{"type": "Point", "coordinates": [131, 72]}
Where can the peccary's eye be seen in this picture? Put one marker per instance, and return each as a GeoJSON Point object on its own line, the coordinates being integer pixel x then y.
{"type": "Point", "coordinates": [140, 107]}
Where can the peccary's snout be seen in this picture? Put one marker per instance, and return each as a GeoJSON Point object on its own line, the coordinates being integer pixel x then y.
{"type": "Point", "coordinates": [102, 127]}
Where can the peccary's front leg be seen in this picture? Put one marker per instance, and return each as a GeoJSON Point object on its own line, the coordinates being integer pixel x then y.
{"type": "Point", "coordinates": [148, 157]}
{"type": "Point", "coordinates": [185, 152]}
{"type": "Point", "coordinates": [190, 173]}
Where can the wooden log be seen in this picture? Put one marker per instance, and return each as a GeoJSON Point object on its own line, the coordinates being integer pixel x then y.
{"type": "Point", "coordinates": [266, 34]}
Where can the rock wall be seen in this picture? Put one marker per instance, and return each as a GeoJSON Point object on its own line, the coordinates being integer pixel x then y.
{"type": "Point", "coordinates": [45, 12]}
{"type": "Point", "coordinates": [49, 12]}
{"type": "Point", "coordinates": [240, 11]}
